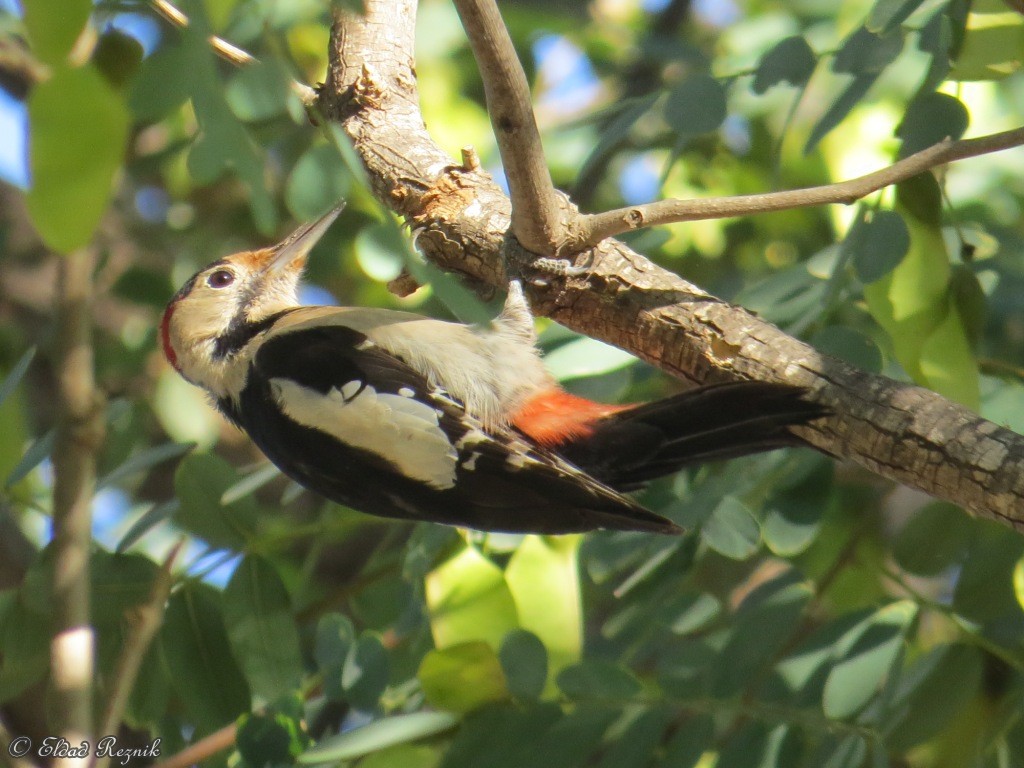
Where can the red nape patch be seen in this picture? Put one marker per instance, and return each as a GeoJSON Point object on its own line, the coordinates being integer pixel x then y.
{"type": "Point", "coordinates": [165, 335]}
{"type": "Point", "coordinates": [553, 417]}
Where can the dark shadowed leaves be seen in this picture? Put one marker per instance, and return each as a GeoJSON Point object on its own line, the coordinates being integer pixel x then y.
{"type": "Point", "coordinates": [790, 61]}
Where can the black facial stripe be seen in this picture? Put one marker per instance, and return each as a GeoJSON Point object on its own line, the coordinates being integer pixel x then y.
{"type": "Point", "coordinates": [240, 332]}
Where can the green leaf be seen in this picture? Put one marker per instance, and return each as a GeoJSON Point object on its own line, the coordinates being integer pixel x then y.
{"type": "Point", "coordinates": [929, 119]}
{"type": "Point", "coordinates": [36, 454]}
{"type": "Point", "coordinates": [200, 483]}
{"type": "Point", "coordinates": [13, 379]}
{"type": "Point", "coordinates": [934, 690]}
{"type": "Point", "coordinates": [335, 637]}
{"type": "Point", "coordinates": [732, 529]}
{"type": "Point", "coordinates": [364, 675]}
{"type": "Point", "coordinates": [159, 87]}
{"type": "Point", "coordinates": [793, 515]}
{"type": "Point", "coordinates": [152, 517]}
{"type": "Point", "coordinates": [118, 583]}
{"type": "Point", "coordinates": [259, 91]}
{"type": "Point", "coordinates": [790, 61]}
{"type": "Point", "coordinates": [696, 105]}
{"type": "Point", "coordinates": [223, 145]}
{"type": "Point", "coordinates": [469, 600]}
{"type": "Point", "coordinates": [984, 589]}
{"type": "Point", "coordinates": [524, 660]}
{"type": "Point", "coordinates": [913, 303]}
{"type": "Point", "coordinates": [686, 748]}
{"type": "Point", "coordinates": [881, 243]}
{"type": "Point", "coordinates": [765, 621]}
{"type": "Point", "coordinates": [270, 738]}
{"type": "Point", "coordinates": [402, 756]}
{"type": "Point", "coordinates": [868, 653]}
{"type": "Point", "coordinates": [850, 345]}
{"type": "Point", "coordinates": [203, 671]}
{"type": "Point", "coordinates": [54, 26]}
{"type": "Point", "coordinates": [502, 736]}
{"type": "Point", "coordinates": [638, 743]}
{"type": "Point", "coordinates": [263, 635]}
{"type": "Point", "coordinates": [993, 48]}
{"type": "Point", "coordinates": [692, 612]}
{"type": "Point", "coordinates": [867, 53]}
{"type": "Point", "coordinates": [889, 14]}
{"type": "Point", "coordinates": [586, 357]}
{"type": "Point", "coordinates": [144, 460]}
{"type": "Point", "coordinates": [379, 251]}
{"type": "Point", "coordinates": [24, 645]}
{"type": "Point", "coordinates": [841, 106]}
{"type": "Point", "coordinates": [249, 484]}
{"type": "Point", "coordinates": [937, 537]}
{"type": "Point", "coordinates": [317, 182]}
{"type": "Point", "coordinates": [464, 677]}
{"type": "Point", "coordinates": [73, 162]}
{"type": "Point", "coordinates": [600, 680]}
{"type": "Point", "coordinates": [543, 579]}
{"type": "Point", "coordinates": [378, 735]}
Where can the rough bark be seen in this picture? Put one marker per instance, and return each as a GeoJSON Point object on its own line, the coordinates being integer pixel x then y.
{"type": "Point", "coordinates": [898, 430]}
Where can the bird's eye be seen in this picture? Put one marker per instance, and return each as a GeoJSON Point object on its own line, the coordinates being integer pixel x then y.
{"type": "Point", "coordinates": [222, 278]}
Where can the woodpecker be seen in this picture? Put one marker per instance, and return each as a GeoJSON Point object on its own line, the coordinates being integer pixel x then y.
{"type": "Point", "coordinates": [404, 416]}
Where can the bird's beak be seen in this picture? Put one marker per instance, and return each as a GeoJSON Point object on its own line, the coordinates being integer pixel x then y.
{"type": "Point", "coordinates": [291, 252]}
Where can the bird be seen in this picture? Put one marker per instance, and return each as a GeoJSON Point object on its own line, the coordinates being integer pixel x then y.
{"type": "Point", "coordinates": [403, 416]}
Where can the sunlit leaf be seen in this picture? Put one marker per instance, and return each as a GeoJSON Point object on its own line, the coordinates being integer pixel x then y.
{"type": "Point", "coordinates": [586, 357]}
{"type": "Point", "coordinates": [868, 653]}
{"type": "Point", "coordinates": [66, 207]}
{"type": "Point", "coordinates": [249, 484]}
{"type": "Point", "coordinates": [54, 25]}
{"type": "Point", "coordinates": [732, 529]}
{"type": "Point", "coordinates": [543, 579]}
{"type": "Point", "coordinates": [463, 677]}
{"type": "Point", "coordinates": [469, 600]}
{"type": "Point", "coordinates": [144, 460]}
{"type": "Point", "coordinates": [993, 48]}
{"type": "Point", "coordinates": [889, 14]}
{"type": "Point", "coordinates": [378, 735]}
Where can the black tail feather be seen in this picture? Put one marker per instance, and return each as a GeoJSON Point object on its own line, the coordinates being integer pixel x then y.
{"type": "Point", "coordinates": [634, 446]}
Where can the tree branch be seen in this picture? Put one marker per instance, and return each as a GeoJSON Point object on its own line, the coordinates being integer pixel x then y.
{"type": "Point", "coordinates": [144, 622]}
{"type": "Point", "coordinates": [591, 229]}
{"type": "Point", "coordinates": [80, 433]}
{"type": "Point", "coordinates": [537, 212]}
{"type": "Point", "coordinates": [900, 431]}
{"type": "Point", "coordinates": [206, 747]}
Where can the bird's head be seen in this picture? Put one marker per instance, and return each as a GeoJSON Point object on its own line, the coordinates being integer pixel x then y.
{"type": "Point", "coordinates": [218, 309]}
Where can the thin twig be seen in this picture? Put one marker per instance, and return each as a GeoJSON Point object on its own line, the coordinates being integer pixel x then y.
{"type": "Point", "coordinates": [537, 215]}
{"type": "Point", "coordinates": [144, 622]}
{"type": "Point", "coordinates": [227, 51]}
{"type": "Point", "coordinates": [594, 228]}
{"type": "Point", "coordinates": [79, 437]}
{"type": "Point", "coordinates": [202, 749]}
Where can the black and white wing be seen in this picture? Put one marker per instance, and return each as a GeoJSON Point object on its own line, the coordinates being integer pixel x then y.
{"type": "Point", "coordinates": [347, 419]}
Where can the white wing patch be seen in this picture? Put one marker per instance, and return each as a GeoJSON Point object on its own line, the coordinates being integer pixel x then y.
{"type": "Point", "coordinates": [399, 429]}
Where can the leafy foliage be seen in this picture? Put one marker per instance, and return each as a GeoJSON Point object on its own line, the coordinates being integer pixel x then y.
{"type": "Point", "coordinates": [809, 616]}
